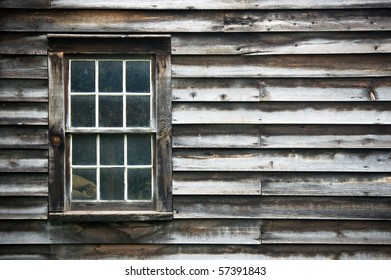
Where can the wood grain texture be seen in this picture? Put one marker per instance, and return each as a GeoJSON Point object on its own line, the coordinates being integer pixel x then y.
{"type": "Point", "coordinates": [289, 90]}
{"type": "Point", "coordinates": [217, 5]}
{"type": "Point", "coordinates": [23, 44]}
{"type": "Point", "coordinates": [254, 44]}
{"type": "Point", "coordinates": [175, 232]}
{"type": "Point", "coordinates": [23, 137]}
{"type": "Point", "coordinates": [125, 21]}
{"type": "Point", "coordinates": [128, 21]}
{"type": "Point", "coordinates": [23, 161]}
{"type": "Point", "coordinates": [20, 90]}
{"type": "Point", "coordinates": [326, 232]}
{"type": "Point", "coordinates": [252, 207]}
{"type": "Point", "coordinates": [282, 184]}
{"type": "Point", "coordinates": [282, 136]}
{"type": "Point", "coordinates": [282, 160]}
{"type": "Point", "coordinates": [213, 183]}
{"type": "Point", "coordinates": [23, 208]}
{"type": "Point", "coordinates": [307, 20]}
{"type": "Point", "coordinates": [281, 113]}
{"type": "Point", "coordinates": [20, 184]}
{"type": "Point", "coordinates": [23, 67]}
{"type": "Point", "coordinates": [25, 4]}
{"type": "Point", "coordinates": [56, 153]}
{"type": "Point", "coordinates": [318, 66]}
{"type": "Point", "coordinates": [219, 252]}
{"type": "Point", "coordinates": [23, 113]}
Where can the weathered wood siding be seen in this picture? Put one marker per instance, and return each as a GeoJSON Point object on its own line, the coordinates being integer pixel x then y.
{"type": "Point", "coordinates": [281, 129]}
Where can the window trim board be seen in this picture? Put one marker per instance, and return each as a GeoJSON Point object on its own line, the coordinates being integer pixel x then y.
{"type": "Point", "coordinates": [59, 197]}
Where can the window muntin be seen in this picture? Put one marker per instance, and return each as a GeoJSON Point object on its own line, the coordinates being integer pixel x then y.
{"type": "Point", "coordinates": [111, 130]}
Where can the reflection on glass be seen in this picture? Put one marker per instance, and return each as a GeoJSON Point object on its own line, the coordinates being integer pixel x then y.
{"type": "Point", "coordinates": [84, 184]}
{"type": "Point", "coordinates": [110, 76]}
{"type": "Point", "coordinates": [112, 183]}
{"type": "Point", "coordinates": [139, 184]}
{"type": "Point", "coordinates": [139, 149]}
{"type": "Point", "coordinates": [137, 111]}
{"type": "Point", "coordinates": [111, 149]}
{"type": "Point", "coordinates": [83, 149]}
{"type": "Point", "coordinates": [110, 111]}
{"type": "Point", "coordinates": [82, 76]}
{"type": "Point", "coordinates": [138, 76]}
{"type": "Point", "coordinates": [83, 111]}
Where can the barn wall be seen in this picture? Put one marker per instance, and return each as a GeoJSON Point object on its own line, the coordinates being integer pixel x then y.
{"type": "Point", "coordinates": [281, 130]}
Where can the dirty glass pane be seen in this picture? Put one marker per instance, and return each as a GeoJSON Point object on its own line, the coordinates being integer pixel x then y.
{"type": "Point", "coordinates": [83, 111]}
{"type": "Point", "coordinates": [110, 76]}
{"type": "Point", "coordinates": [83, 184]}
{"type": "Point", "coordinates": [111, 149]}
{"type": "Point", "coordinates": [139, 149]}
{"type": "Point", "coordinates": [138, 76]}
{"type": "Point", "coordinates": [112, 183]}
{"type": "Point", "coordinates": [82, 76]}
{"type": "Point", "coordinates": [83, 149]}
{"type": "Point", "coordinates": [139, 184]}
{"type": "Point", "coordinates": [110, 111]}
{"type": "Point", "coordinates": [137, 111]}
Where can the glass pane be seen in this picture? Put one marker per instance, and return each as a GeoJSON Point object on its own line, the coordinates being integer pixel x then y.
{"type": "Point", "coordinates": [83, 111]}
{"type": "Point", "coordinates": [139, 184]}
{"type": "Point", "coordinates": [82, 76]}
{"type": "Point", "coordinates": [110, 76]}
{"type": "Point", "coordinates": [139, 149]}
{"type": "Point", "coordinates": [112, 183]}
{"type": "Point", "coordinates": [111, 149]}
{"type": "Point", "coordinates": [83, 184]}
{"type": "Point", "coordinates": [110, 111]}
{"type": "Point", "coordinates": [137, 111]}
{"type": "Point", "coordinates": [83, 149]}
{"type": "Point", "coordinates": [138, 76]}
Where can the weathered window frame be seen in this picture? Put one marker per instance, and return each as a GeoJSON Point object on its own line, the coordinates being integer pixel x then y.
{"type": "Point", "coordinates": [63, 46]}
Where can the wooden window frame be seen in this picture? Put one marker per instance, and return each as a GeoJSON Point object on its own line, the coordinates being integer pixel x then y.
{"type": "Point", "coordinates": [61, 48]}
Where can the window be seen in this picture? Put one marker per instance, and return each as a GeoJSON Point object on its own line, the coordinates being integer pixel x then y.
{"type": "Point", "coordinates": [109, 127]}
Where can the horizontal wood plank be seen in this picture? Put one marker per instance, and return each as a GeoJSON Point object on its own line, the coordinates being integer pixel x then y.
{"type": "Point", "coordinates": [191, 252]}
{"type": "Point", "coordinates": [260, 90]}
{"type": "Point", "coordinates": [219, 252]}
{"type": "Point", "coordinates": [217, 4]}
{"type": "Point", "coordinates": [208, 183]}
{"type": "Point", "coordinates": [307, 20]}
{"type": "Point", "coordinates": [23, 208]}
{"type": "Point", "coordinates": [247, 207]}
{"type": "Point", "coordinates": [23, 44]}
{"type": "Point", "coordinates": [20, 90]}
{"type": "Point", "coordinates": [280, 43]}
{"type": "Point", "coordinates": [282, 160]}
{"type": "Point", "coordinates": [282, 136]}
{"type": "Point", "coordinates": [23, 67]}
{"type": "Point", "coordinates": [20, 184]}
{"type": "Point", "coordinates": [174, 232]}
{"type": "Point", "coordinates": [317, 66]}
{"type": "Point", "coordinates": [23, 161]}
{"type": "Point", "coordinates": [281, 113]}
{"type": "Point", "coordinates": [326, 232]}
{"type": "Point", "coordinates": [25, 4]}
{"type": "Point", "coordinates": [323, 184]}
{"type": "Point", "coordinates": [281, 184]}
{"type": "Point", "coordinates": [21, 137]}
{"type": "Point", "coordinates": [194, 21]}
{"type": "Point", "coordinates": [125, 21]}
{"type": "Point", "coordinates": [23, 114]}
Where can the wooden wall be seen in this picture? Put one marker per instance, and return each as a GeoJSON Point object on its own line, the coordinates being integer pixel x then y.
{"type": "Point", "coordinates": [281, 130]}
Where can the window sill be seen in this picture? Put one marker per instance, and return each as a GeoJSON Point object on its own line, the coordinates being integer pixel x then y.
{"type": "Point", "coordinates": [109, 216]}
